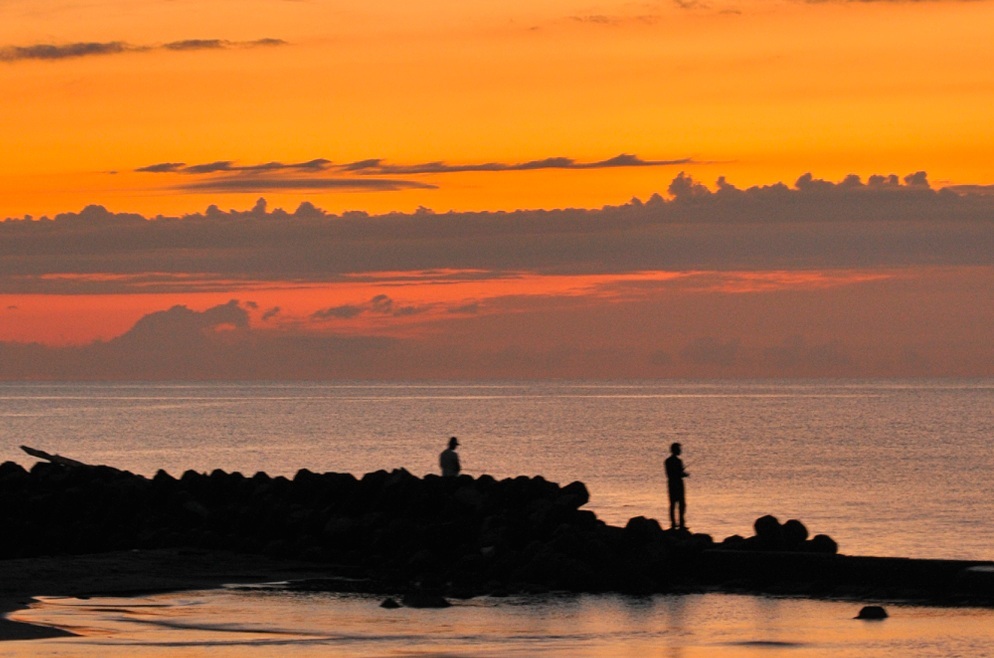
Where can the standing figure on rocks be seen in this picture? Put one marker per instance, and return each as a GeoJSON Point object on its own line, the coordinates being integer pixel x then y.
{"type": "Point", "coordinates": [674, 482]}
{"type": "Point", "coordinates": [449, 460]}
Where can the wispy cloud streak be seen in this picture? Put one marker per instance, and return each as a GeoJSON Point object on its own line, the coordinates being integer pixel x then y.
{"type": "Point", "coordinates": [358, 175]}
{"type": "Point", "coordinates": [228, 166]}
{"type": "Point", "coordinates": [262, 184]}
{"type": "Point", "coordinates": [55, 52]}
{"type": "Point", "coordinates": [622, 160]}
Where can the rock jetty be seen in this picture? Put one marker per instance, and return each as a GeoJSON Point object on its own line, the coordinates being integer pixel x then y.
{"type": "Point", "coordinates": [394, 533]}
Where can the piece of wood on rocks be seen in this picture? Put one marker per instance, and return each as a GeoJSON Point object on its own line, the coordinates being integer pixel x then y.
{"type": "Point", "coordinates": [55, 459]}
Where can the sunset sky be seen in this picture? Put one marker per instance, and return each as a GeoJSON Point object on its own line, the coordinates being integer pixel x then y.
{"type": "Point", "coordinates": [552, 188]}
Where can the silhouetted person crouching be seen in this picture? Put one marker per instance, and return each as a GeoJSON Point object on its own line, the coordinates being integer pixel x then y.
{"type": "Point", "coordinates": [449, 459]}
{"type": "Point", "coordinates": [674, 482]}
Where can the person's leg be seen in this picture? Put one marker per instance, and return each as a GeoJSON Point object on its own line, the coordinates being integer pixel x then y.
{"type": "Point", "coordinates": [683, 512]}
{"type": "Point", "coordinates": [673, 504]}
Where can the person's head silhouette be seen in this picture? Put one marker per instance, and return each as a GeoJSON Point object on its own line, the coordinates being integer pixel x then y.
{"type": "Point", "coordinates": [453, 442]}
{"type": "Point", "coordinates": [675, 448]}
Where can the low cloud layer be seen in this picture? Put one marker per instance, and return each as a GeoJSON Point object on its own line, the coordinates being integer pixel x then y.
{"type": "Point", "coordinates": [181, 343]}
{"type": "Point", "coordinates": [883, 222]}
{"type": "Point", "coordinates": [886, 329]}
{"type": "Point", "coordinates": [55, 52]}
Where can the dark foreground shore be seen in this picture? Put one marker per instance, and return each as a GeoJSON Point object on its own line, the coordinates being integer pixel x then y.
{"type": "Point", "coordinates": [74, 529]}
{"type": "Point", "coordinates": [130, 573]}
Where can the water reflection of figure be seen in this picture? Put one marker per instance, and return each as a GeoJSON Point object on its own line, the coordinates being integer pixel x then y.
{"type": "Point", "coordinates": [674, 482]}
{"type": "Point", "coordinates": [449, 459]}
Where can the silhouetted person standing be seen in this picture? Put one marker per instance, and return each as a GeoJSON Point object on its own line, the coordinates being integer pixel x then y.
{"type": "Point", "coordinates": [449, 459]}
{"type": "Point", "coordinates": [674, 482]}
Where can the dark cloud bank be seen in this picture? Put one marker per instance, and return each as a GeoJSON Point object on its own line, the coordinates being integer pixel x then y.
{"type": "Point", "coordinates": [882, 222]}
{"type": "Point", "coordinates": [879, 224]}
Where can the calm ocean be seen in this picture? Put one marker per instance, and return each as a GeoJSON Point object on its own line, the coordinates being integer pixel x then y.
{"type": "Point", "coordinates": [896, 467]}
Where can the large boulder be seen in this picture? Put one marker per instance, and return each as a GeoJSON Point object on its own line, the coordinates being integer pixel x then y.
{"type": "Point", "coordinates": [769, 532]}
{"type": "Point", "coordinates": [794, 534]}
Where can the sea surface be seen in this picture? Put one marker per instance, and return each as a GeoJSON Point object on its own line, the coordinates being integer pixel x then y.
{"type": "Point", "coordinates": [885, 467]}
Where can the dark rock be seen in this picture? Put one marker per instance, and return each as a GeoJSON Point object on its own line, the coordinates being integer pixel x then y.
{"type": "Point", "coordinates": [390, 604]}
{"type": "Point", "coordinates": [872, 612]}
{"type": "Point", "coordinates": [794, 533]}
{"type": "Point", "coordinates": [190, 476]}
{"type": "Point", "coordinates": [278, 548]}
{"type": "Point", "coordinates": [196, 509]}
{"type": "Point", "coordinates": [45, 472]}
{"type": "Point", "coordinates": [574, 495]}
{"type": "Point", "coordinates": [467, 535]}
{"type": "Point", "coordinates": [767, 527]}
{"type": "Point", "coordinates": [12, 470]}
{"type": "Point", "coordinates": [469, 498]}
{"type": "Point", "coordinates": [584, 518]}
{"type": "Point", "coordinates": [640, 530]}
{"type": "Point", "coordinates": [424, 600]}
{"type": "Point", "coordinates": [822, 544]}
{"type": "Point", "coordinates": [977, 580]}
{"type": "Point", "coordinates": [423, 561]}
{"type": "Point", "coordinates": [164, 478]}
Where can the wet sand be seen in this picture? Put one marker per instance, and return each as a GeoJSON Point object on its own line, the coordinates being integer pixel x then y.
{"type": "Point", "coordinates": [128, 573]}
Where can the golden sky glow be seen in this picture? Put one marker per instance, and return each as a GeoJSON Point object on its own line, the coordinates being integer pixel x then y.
{"type": "Point", "coordinates": [191, 108]}
{"type": "Point", "coordinates": [758, 92]}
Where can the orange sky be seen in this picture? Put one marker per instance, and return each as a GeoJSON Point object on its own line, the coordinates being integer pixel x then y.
{"type": "Point", "coordinates": [167, 108]}
{"type": "Point", "coordinates": [755, 91]}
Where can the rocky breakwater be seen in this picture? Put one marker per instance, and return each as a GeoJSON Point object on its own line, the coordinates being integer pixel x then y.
{"type": "Point", "coordinates": [472, 534]}
{"type": "Point", "coordinates": [392, 532]}
{"type": "Point", "coordinates": [781, 559]}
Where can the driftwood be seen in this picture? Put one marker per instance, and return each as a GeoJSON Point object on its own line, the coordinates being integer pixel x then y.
{"type": "Point", "coordinates": [55, 459]}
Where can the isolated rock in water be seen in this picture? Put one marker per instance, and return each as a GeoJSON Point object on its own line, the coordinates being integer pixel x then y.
{"type": "Point", "coordinates": [390, 604]}
{"type": "Point", "coordinates": [872, 612]}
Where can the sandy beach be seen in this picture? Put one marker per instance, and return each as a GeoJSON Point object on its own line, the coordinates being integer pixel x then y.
{"type": "Point", "coordinates": [128, 573]}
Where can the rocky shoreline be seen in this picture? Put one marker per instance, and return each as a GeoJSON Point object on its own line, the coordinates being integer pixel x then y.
{"type": "Point", "coordinates": [398, 534]}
